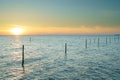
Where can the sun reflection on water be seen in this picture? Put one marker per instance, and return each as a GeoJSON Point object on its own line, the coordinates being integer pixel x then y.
{"type": "Point", "coordinates": [17, 71]}
{"type": "Point", "coordinates": [16, 54]}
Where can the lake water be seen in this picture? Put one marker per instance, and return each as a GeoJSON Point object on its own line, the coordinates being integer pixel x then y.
{"type": "Point", "coordinates": [45, 57]}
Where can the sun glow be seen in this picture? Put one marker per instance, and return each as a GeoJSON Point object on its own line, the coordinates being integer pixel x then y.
{"type": "Point", "coordinates": [17, 31]}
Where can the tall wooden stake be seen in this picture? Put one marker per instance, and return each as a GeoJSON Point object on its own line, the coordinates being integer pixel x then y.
{"type": "Point", "coordinates": [94, 40]}
{"type": "Point", "coordinates": [30, 39]}
{"type": "Point", "coordinates": [22, 55]}
{"type": "Point", "coordinates": [98, 42]}
{"type": "Point", "coordinates": [118, 37]}
{"type": "Point", "coordinates": [65, 48]}
{"type": "Point", "coordinates": [106, 40]}
{"type": "Point", "coordinates": [86, 43]}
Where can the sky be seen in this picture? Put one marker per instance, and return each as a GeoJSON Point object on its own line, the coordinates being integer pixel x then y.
{"type": "Point", "coordinates": [60, 16]}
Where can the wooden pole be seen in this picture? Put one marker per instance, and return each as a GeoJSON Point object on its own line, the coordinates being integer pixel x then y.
{"type": "Point", "coordinates": [94, 40]}
{"type": "Point", "coordinates": [65, 48]}
{"type": "Point", "coordinates": [98, 42]}
{"type": "Point", "coordinates": [86, 43]}
{"type": "Point", "coordinates": [118, 37]}
{"type": "Point", "coordinates": [30, 39]}
{"type": "Point", "coordinates": [114, 38]}
{"type": "Point", "coordinates": [22, 55]}
{"type": "Point", "coordinates": [106, 40]}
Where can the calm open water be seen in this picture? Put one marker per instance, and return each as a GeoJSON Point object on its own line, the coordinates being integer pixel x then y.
{"type": "Point", "coordinates": [45, 58]}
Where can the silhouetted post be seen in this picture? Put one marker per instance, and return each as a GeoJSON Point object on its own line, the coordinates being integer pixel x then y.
{"type": "Point", "coordinates": [94, 40]}
{"type": "Point", "coordinates": [65, 48]}
{"type": "Point", "coordinates": [118, 38]}
{"type": "Point", "coordinates": [114, 38]}
{"type": "Point", "coordinates": [22, 55]}
{"type": "Point", "coordinates": [86, 43]}
{"type": "Point", "coordinates": [30, 39]}
{"type": "Point", "coordinates": [98, 42]}
{"type": "Point", "coordinates": [106, 40]}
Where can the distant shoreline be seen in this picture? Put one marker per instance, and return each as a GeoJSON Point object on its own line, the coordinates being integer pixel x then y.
{"type": "Point", "coordinates": [67, 35]}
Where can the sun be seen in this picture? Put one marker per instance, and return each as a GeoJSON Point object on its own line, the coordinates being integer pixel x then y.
{"type": "Point", "coordinates": [17, 31]}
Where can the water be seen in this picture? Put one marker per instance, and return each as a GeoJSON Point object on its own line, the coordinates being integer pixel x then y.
{"type": "Point", "coordinates": [45, 58]}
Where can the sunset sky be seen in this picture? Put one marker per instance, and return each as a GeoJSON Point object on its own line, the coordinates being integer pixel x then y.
{"type": "Point", "coordinates": [60, 16]}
